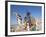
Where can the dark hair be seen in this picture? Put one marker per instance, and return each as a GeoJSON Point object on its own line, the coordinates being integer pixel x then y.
{"type": "Point", "coordinates": [28, 13]}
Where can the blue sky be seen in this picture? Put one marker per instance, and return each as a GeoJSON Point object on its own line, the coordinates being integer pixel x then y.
{"type": "Point", "coordinates": [22, 10]}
